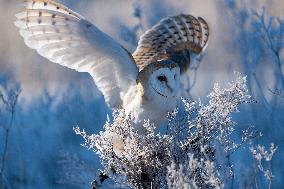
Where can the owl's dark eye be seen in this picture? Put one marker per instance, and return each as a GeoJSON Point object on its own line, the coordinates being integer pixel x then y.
{"type": "Point", "coordinates": [162, 78]}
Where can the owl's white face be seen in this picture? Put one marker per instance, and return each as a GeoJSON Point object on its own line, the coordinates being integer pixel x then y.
{"type": "Point", "coordinates": [166, 82]}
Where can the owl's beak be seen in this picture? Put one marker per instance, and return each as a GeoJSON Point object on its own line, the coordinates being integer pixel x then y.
{"type": "Point", "coordinates": [169, 87]}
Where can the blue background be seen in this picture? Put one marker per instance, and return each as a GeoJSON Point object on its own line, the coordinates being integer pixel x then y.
{"type": "Point", "coordinates": [42, 149]}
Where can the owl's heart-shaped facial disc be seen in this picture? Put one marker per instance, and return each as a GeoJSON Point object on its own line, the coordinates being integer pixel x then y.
{"type": "Point", "coordinates": [165, 82]}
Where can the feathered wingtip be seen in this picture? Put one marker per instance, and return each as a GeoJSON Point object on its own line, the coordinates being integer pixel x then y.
{"type": "Point", "coordinates": [205, 33]}
{"type": "Point", "coordinates": [49, 5]}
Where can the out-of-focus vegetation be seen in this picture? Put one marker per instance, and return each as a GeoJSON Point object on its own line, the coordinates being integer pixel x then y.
{"type": "Point", "coordinates": [246, 36]}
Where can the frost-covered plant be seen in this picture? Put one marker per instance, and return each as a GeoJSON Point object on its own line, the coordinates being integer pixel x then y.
{"type": "Point", "coordinates": [197, 173]}
{"type": "Point", "coordinates": [131, 158]}
{"type": "Point", "coordinates": [184, 156]}
{"type": "Point", "coordinates": [262, 156]}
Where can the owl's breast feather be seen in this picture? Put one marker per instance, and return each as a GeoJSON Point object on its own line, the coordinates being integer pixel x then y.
{"type": "Point", "coordinates": [141, 107]}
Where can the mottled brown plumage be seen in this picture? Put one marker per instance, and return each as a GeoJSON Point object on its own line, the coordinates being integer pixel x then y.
{"type": "Point", "coordinates": [174, 38]}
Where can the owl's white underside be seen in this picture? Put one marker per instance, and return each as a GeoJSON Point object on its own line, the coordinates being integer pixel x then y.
{"type": "Point", "coordinates": [147, 103]}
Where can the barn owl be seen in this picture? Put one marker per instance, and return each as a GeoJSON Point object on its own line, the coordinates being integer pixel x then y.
{"type": "Point", "coordinates": [146, 84]}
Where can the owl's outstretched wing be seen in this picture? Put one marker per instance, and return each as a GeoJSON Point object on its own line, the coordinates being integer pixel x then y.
{"type": "Point", "coordinates": [66, 38]}
{"type": "Point", "coordinates": [176, 38]}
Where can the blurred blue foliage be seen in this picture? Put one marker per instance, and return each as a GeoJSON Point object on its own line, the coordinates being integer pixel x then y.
{"type": "Point", "coordinates": [43, 152]}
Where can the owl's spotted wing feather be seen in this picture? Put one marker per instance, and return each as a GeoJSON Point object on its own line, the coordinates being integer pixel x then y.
{"type": "Point", "coordinates": [66, 38]}
{"type": "Point", "coordinates": [173, 38]}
